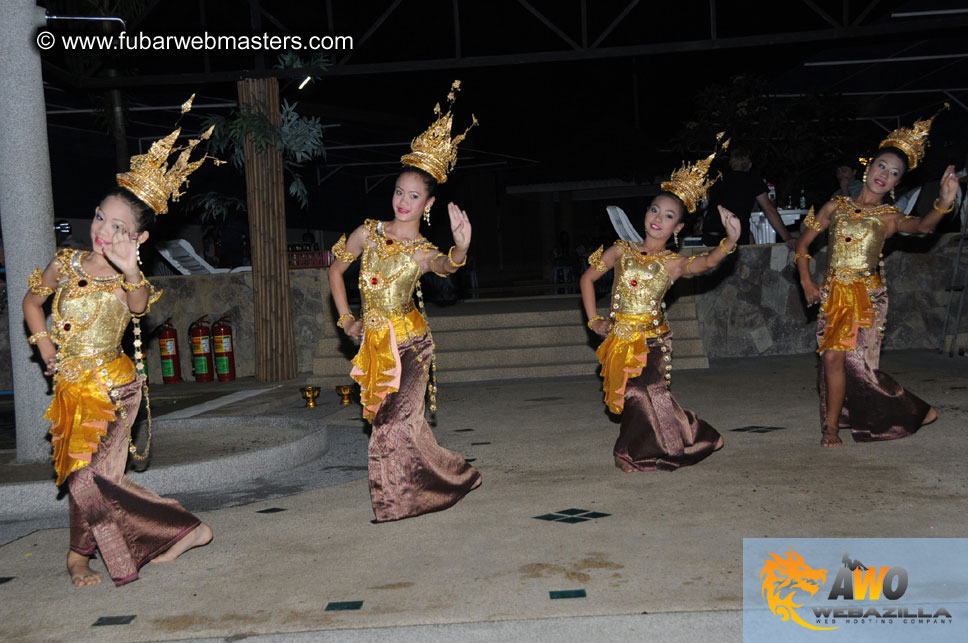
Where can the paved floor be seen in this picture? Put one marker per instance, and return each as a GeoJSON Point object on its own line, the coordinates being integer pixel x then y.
{"type": "Point", "coordinates": [662, 561]}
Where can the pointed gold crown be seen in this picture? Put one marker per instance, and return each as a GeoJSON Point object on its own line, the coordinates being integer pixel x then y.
{"type": "Point", "coordinates": [150, 178]}
{"type": "Point", "coordinates": [690, 182]}
{"type": "Point", "coordinates": [913, 141]}
{"type": "Point", "coordinates": [434, 151]}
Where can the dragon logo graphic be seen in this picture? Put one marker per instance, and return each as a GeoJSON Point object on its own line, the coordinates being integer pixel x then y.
{"type": "Point", "coordinates": [782, 576]}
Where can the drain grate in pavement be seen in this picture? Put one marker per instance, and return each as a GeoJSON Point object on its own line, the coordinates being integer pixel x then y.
{"type": "Point", "coordinates": [567, 593]}
{"type": "Point", "coordinates": [343, 606]}
{"type": "Point", "coordinates": [270, 510]}
{"type": "Point", "coordinates": [469, 459]}
{"type": "Point", "coordinates": [544, 399]}
{"type": "Point", "coordinates": [113, 620]}
{"type": "Point", "coordinates": [462, 430]}
{"type": "Point", "coordinates": [572, 516]}
{"type": "Point", "coordinates": [477, 444]}
{"type": "Point", "coordinates": [755, 428]}
{"type": "Point", "coordinates": [6, 579]}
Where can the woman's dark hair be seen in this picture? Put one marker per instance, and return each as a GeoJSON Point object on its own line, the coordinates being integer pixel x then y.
{"type": "Point", "coordinates": [429, 181]}
{"type": "Point", "coordinates": [144, 217]}
{"type": "Point", "coordinates": [896, 152]}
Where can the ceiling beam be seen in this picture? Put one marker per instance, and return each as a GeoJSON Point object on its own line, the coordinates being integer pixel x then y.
{"type": "Point", "coordinates": [602, 53]}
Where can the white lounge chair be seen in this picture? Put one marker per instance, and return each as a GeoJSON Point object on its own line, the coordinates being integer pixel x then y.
{"type": "Point", "coordinates": [183, 258]}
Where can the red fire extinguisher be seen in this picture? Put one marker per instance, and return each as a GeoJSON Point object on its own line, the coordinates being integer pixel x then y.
{"type": "Point", "coordinates": [224, 357]}
{"type": "Point", "coordinates": [168, 347]}
{"type": "Point", "coordinates": [201, 349]}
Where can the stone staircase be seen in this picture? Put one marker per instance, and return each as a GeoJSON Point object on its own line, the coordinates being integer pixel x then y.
{"type": "Point", "coordinates": [480, 340]}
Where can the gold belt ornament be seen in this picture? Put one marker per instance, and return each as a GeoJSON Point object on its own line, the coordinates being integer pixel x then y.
{"type": "Point", "coordinates": [850, 275]}
{"type": "Point", "coordinates": [74, 369]}
{"type": "Point", "coordinates": [626, 325]}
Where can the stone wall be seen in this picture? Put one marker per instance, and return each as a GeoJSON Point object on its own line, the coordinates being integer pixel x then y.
{"type": "Point", "coordinates": [752, 304]}
{"type": "Point", "coordinates": [188, 297]}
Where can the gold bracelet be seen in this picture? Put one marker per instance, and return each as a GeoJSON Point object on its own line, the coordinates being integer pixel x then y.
{"type": "Point", "coordinates": [797, 255]}
{"type": "Point", "coordinates": [591, 320]}
{"type": "Point", "coordinates": [36, 287]}
{"type": "Point", "coordinates": [129, 287]}
{"type": "Point", "coordinates": [937, 206]}
{"type": "Point", "coordinates": [343, 319]}
{"type": "Point", "coordinates": [36, 337]}
{"type": "Point", "coordinates": [722, 247]}
{"type": "Point", "coordinates": [454, 263]}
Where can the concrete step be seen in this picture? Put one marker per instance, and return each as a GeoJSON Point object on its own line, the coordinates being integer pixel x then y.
{"type": "Point", "coordinates": [546, 370]}
{"type": "Point", "coordinates": [576, 316]}
{"type": "Point", "coordinates": [487, 358]}
{"type": "Point", "coordinates": [523, 336]}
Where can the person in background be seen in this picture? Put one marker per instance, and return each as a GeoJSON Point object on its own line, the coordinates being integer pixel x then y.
{"type": "Point", "coordinates": [850, 185]}
{"type": "Point", "coordinates": [737, 191]}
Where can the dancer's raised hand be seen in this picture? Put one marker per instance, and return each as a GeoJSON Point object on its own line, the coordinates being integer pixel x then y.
{"type": "Point", "coordinates": [730, 224]}
{"type": "Point", "coordinates": [949, 186]}
{"type": "Point", "coordinates": [460, 226]}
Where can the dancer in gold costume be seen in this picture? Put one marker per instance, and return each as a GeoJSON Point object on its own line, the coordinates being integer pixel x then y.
{"type": "Point", "coordinates": [854, 394]}
{"type": "Point", "coordinates": [409, 473]}
{"type": "Point", "coordinates": [97, 388]}
{"type": "Point", "coordinates": [636, 355]}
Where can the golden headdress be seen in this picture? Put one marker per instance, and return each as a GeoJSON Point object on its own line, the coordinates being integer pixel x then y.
{"type": "Point", "coordinates": [690, 182]}
{"type": "Point", "coordinates": [434, 151]}
{"type": "Point", "coordinates": [151, 180]}
{"type": "Point", "coordinates": [913, 141]}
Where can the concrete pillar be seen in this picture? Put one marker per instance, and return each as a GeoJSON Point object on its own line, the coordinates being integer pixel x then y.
{"type": "Point", "coordinates": [26, 208]}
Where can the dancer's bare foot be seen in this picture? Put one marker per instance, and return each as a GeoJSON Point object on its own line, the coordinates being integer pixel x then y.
{"type": "Point", "coordinates": [624, 465]}
{"type": "Point", "coordinates": [829, 436]}
{"type": "Point", "coordinates": [79, 567]}
{"type": "Point", "coordinates": [197, 537]}
{"type": "Point", "coordinates": [931, 416]}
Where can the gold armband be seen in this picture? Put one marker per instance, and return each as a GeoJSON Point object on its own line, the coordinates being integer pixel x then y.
{"type": "Point", "coordinates": [340, 251]}
{"type": "Point", "coordinates": [811, 222]}
{"type": "Point", "coordinates": [153, 296]}
{"type": "Point", "coordinates": [937, 206]}
{"type": "Point", "coordinates": [797, 255]}
{"type": "Point", "coordinates": [36, 337]}
{"type": "Point", "coordinates": [130, 287]}
{"type": "Point", "coordinates": [454, 263]}
{"type": "Point", "coordinates": [343, 319]}
{"type": "Point", "coordinates": [722, 246]}
{"type": "Point", "coordinates": [595, 260]}
{"type": "Point", "coordinates": [594, 319]}
{"type": "Point", "coordinates": [36, 287]}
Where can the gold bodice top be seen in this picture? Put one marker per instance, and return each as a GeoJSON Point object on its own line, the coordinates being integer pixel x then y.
{"type": "Point", "coordinates": [857, 236]}
{"type": "Point", "coordinates": [641, 281]}
{"type": "Point", "coordinates": [87, 316]}
{"type": "Point", "coordinates": [388, 271]}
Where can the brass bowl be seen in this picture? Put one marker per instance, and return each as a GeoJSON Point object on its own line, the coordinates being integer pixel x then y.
{"type": "Point", "coordinates": [310, 393]}
{"type": "Point", "coordinates": [344, 391]}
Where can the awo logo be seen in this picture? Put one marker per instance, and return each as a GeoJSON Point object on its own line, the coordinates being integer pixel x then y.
{"type": "Point", "coordinates": [783, 576]}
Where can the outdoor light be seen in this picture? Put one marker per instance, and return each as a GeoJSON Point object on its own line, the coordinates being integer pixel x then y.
{"type": "Point", "coordinates": [303, 83]}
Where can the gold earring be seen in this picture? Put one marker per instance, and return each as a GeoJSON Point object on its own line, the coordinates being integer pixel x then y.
{"type": "Point", "coordinates": [866, 168]}
{"type": "Point", "coordinates": [138, 251]}
{"type": "Point", "coordinates": [675, 237]}
{"type": "Point", "coordinates": [893, 198]}
{"type": "Point", "coordinates": [426, 214]}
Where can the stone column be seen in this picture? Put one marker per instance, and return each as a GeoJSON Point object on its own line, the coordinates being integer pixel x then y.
{"type": "Point", "coordinates": [26, 208]}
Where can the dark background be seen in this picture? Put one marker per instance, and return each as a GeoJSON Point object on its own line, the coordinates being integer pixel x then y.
{"type": "Point", "coordinates": [553, 110]}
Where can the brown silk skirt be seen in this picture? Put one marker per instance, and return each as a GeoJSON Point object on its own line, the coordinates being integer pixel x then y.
{"type": "Point", "coordinates": [656, 432]}
{"type": "Point", "coordinates": [875, 406]}
{"type": "Point", "coordinates": [128, 524]}
{"type": "Point", "coordinates": [410, 474]}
